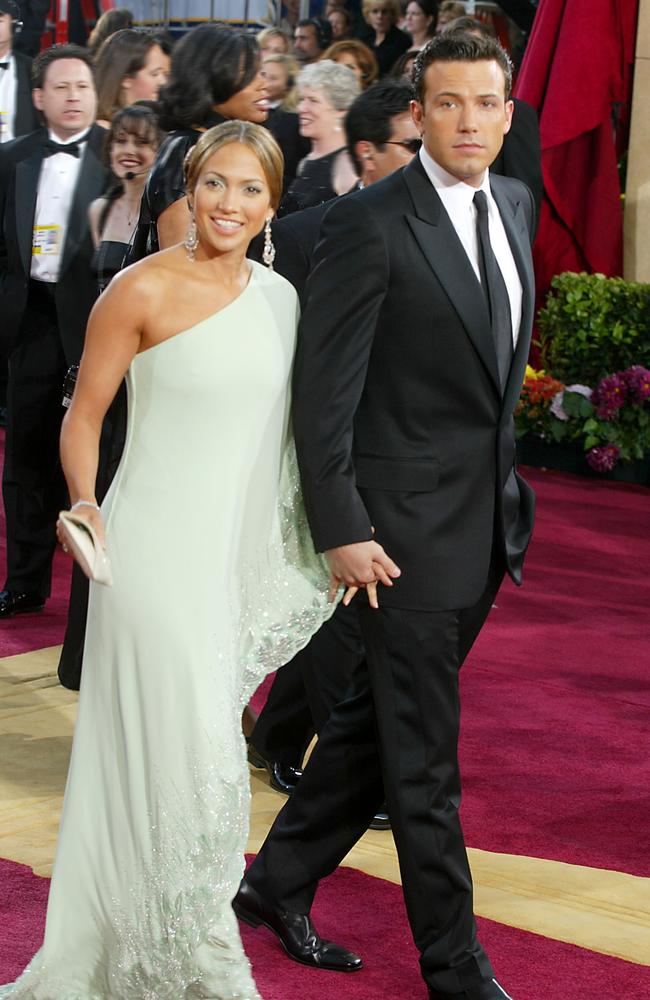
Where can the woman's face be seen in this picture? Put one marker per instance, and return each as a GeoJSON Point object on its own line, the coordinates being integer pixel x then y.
{"type": "Point", "coordinates": [348, 59]}
{"type": "Point", "coordinates": [339, 23]}
{"type": "Point", "coordinates": [318, 118]}
{"type": "Point", "coordinates": [380, 17]}
{"type": "Point", "coordinates": [276, 80]}
{"type": "Point", "coordinates": [131, 153]}
{"type": "Point", "coordinates": [146, 83]}
{"type": "Point", "coordinates": [250, 104]}
{"type": "Point", "coordinates": [275, 45]}
{"type": "Point", "coordinates": [231, 200]}
{"type": "Point", "coordinates": [417, 23]}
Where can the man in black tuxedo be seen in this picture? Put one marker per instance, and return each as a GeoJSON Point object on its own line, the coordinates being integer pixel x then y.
{"type": "Point", "coordinates": [47, 181]}
{"type": "Point", "coordinates": [411, 356]}
{"type": "Point", "coordinates": [17, 113]}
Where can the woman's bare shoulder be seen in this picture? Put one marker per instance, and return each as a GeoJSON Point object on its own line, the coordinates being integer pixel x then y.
{"type": "Point", "coordinates": [151, 272]}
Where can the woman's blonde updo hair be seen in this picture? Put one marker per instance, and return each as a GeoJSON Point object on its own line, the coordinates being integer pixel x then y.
{"type": "Point", "coordinates": [259, 140]}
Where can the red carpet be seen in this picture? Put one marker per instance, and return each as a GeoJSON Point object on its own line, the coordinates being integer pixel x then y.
{"type": "Point", "coordinates": [365, 913]}
{"type": "Point", "coordinates": [556, 691]}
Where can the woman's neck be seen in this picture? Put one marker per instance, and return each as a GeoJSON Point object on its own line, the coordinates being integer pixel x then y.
{"type": "Point", "coordinates": [327, 144]}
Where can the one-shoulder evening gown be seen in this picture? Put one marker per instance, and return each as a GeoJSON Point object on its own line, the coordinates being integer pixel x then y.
{"type": "Point", "coordinates": [215, 584]}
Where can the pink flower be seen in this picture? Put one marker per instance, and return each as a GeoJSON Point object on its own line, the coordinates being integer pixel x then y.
{"type": "Point", "coordinates": [603, 458]}
{"type": "Point", "coordinates": [637, 379]}
{"type": "Point", "coordinates": [610, 396]}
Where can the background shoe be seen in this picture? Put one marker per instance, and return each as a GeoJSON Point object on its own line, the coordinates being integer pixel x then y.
{"type": "Point", "coordinates": [486, 989]}
{"type": "Point", "coordinates": [381, 819]}
{"type": "Point", "coordinates": [12, 603]}
{"type": "Point", "coordinates": [283, 777]}
{"type": "Point", "coordinates": [295, 932]}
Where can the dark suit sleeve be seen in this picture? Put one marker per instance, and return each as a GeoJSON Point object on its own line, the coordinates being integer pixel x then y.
{"type": "Point", "coordinates": [521, 155]}
{"type": "Point", "coordinates": [344, 295]}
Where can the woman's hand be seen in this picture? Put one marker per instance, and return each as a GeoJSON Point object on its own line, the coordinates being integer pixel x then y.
{"type": "Point", "coordinates": [89, 515]}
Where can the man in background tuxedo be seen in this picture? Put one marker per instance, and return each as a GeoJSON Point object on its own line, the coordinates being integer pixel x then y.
{"type": "Point", "coordinates": [17, 113]}
{"type": "Point", "coordinates": [411, 356]}
{"type": "Point", "coordinates": [47, 181]}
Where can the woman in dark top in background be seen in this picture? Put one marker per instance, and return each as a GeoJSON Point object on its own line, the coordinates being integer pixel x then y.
{"type": "Point", "coordinates": [132, 143]}
{"type": "Point", "coordinates": [382, 35]}
{"type": "Point", "coordinates": [215, 76]}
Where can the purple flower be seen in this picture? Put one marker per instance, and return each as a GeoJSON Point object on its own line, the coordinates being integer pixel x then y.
{"type": "Point", "coordinates": [637, 379]}
{"type": "Point", "coordinates": [603, 458]}
{"type": "Point", "coordinates": [609, 396]}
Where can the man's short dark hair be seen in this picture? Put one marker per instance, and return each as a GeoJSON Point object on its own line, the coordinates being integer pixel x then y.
{"type": "Point", "coordinates": [369, 117]}
{"type": "Point", "coordinates": [459, 48]}
{"type": "Point", "coordinates": [322, 28]}
{"type": "Point", "coordinates": [44, 60]}
{"type": "Point", "coordinates": [469, 24]}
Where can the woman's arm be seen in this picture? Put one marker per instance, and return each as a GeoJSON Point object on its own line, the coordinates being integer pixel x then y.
{"type": "Point", "coordinates": [94, 215]}
{"type": "Point", "coordinates": [173, 224]}
{"type": "Point", "coordinates": [112, 339]}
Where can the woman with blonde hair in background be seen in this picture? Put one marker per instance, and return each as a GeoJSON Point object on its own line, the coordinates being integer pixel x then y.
{"type": "Point", "coordinates": [382, 35]}
{"type": "Point", "coordinates": [273, 41]}
{"type": "Point", "coordinates": [280, 73]}
{"type": "Point", "coordinates": [205, 504]}
{"type": "Point", "coordinates": [326, 90]}
{"type": "Point", "coordinates": [353, 53]}
{"type": "Point", "coordinates": [130, 66]}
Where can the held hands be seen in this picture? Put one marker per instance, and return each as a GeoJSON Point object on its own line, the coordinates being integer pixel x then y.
{"type": "Point", "coordinates": [361, 564]}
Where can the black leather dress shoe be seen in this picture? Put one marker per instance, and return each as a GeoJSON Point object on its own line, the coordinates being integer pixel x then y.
{"type": "Point", "coordinates": [295, 932]}
{"type": "Point", "coordinates": [283, 777]}
{"type": "Point", "coordinates": [381, 819]}
{"type": "Point", "coordinates": [486, 989]}
{"type": "Point", "coordinates": [12, 603]}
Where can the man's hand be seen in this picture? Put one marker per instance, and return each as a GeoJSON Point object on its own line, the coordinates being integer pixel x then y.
{"type": "Point", "coordinates": [361, 564]}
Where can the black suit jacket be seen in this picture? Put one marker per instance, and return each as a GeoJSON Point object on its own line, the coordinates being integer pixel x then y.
{"type": "Point", "coordinates": [26, 119]}
{"type": "Point", "coordinates": [399, 419]}
{"type": "Point", "coordinates": [76, 289]}
{"type": "Point", "coordinates": [295, 237]}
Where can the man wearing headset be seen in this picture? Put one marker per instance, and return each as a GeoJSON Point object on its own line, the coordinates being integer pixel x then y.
{"type": "Point", "coordinates": [313, 35]}
{"type": "Point", "coordinates": [17, 113]}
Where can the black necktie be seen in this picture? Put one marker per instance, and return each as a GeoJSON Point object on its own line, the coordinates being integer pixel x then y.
{"type": "Point", "coordinates": [4, 65]}
{"type": "Point", "coordinates": [495, 290]}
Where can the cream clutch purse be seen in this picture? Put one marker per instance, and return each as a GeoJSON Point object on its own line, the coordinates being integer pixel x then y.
{"type": "Point", "coordinates": [86, 548]}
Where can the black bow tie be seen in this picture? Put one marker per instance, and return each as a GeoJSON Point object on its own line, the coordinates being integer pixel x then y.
{"type": "Point", "coordinates": [72, 148]}
{"type": "Point", "coordinates": [4, 65]}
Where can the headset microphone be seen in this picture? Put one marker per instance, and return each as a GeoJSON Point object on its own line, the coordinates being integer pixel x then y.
{"type": "Point", "coordinates": [131, 174]}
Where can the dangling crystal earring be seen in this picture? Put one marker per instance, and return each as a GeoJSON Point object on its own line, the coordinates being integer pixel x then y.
{"type": "Point", "coordinates": [191, 241]}
{"type": "Point", "coordinates": [268, 254]}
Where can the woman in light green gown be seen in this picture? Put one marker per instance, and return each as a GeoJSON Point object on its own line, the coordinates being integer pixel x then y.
{"type": "Point", "coordinates": [215, 583]}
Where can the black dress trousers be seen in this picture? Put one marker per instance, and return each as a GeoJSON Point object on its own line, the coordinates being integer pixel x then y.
{"type": "Point", "coordinates": [33, 485]}
{"type": "Point", "coordinates": [398, 731]}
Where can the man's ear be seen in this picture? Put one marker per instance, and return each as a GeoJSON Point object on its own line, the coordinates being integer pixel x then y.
{"type": "Point", "coordinates": [37, 98]}
{"type": "Point", "coordinates": [365, 152]}
{"type": "Point", "coordinates": [417, 114]}
{"type": "Point", "coordinates": [510, 108]}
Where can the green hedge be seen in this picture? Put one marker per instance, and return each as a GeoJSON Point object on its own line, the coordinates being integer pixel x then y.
{"type": "Point", "coordinates": [592, 326]}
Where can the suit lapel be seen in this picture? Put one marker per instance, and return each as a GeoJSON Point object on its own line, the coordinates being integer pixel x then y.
{"type": "Point", "coordinates": [445, 254]}
{"type": "Point", "coordinates": [514, 223]}
{"type": "Point", "coordinates": [27, 174]}
{"type": "Point", "coordinates": [90, 184]}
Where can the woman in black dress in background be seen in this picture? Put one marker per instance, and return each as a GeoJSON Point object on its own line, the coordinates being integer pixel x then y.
{"type": "Point", "coordinates": [132, 143]}
{"type": "Point", "coordinates": [215, 76]}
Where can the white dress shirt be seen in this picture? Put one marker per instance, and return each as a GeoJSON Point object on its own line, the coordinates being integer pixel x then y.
{"type": "Point", "coordinates": [458, 200]}
{"type": "Point", "coordinates": [56, 187]}
{"type": "Point", "coordinates": [8, 94]}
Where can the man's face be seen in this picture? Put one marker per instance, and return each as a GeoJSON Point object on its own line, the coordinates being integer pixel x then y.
{"type": "Point", "coordinates": [397, 152]}
{"type": "Point", "coordinates": [67, 99]}
{"type": "Point", "coordinates": [305, 44]}
{"type": "Point", "coordinates": [464, 116]}
{"type": "Point", "coordinates": [5, 33]}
